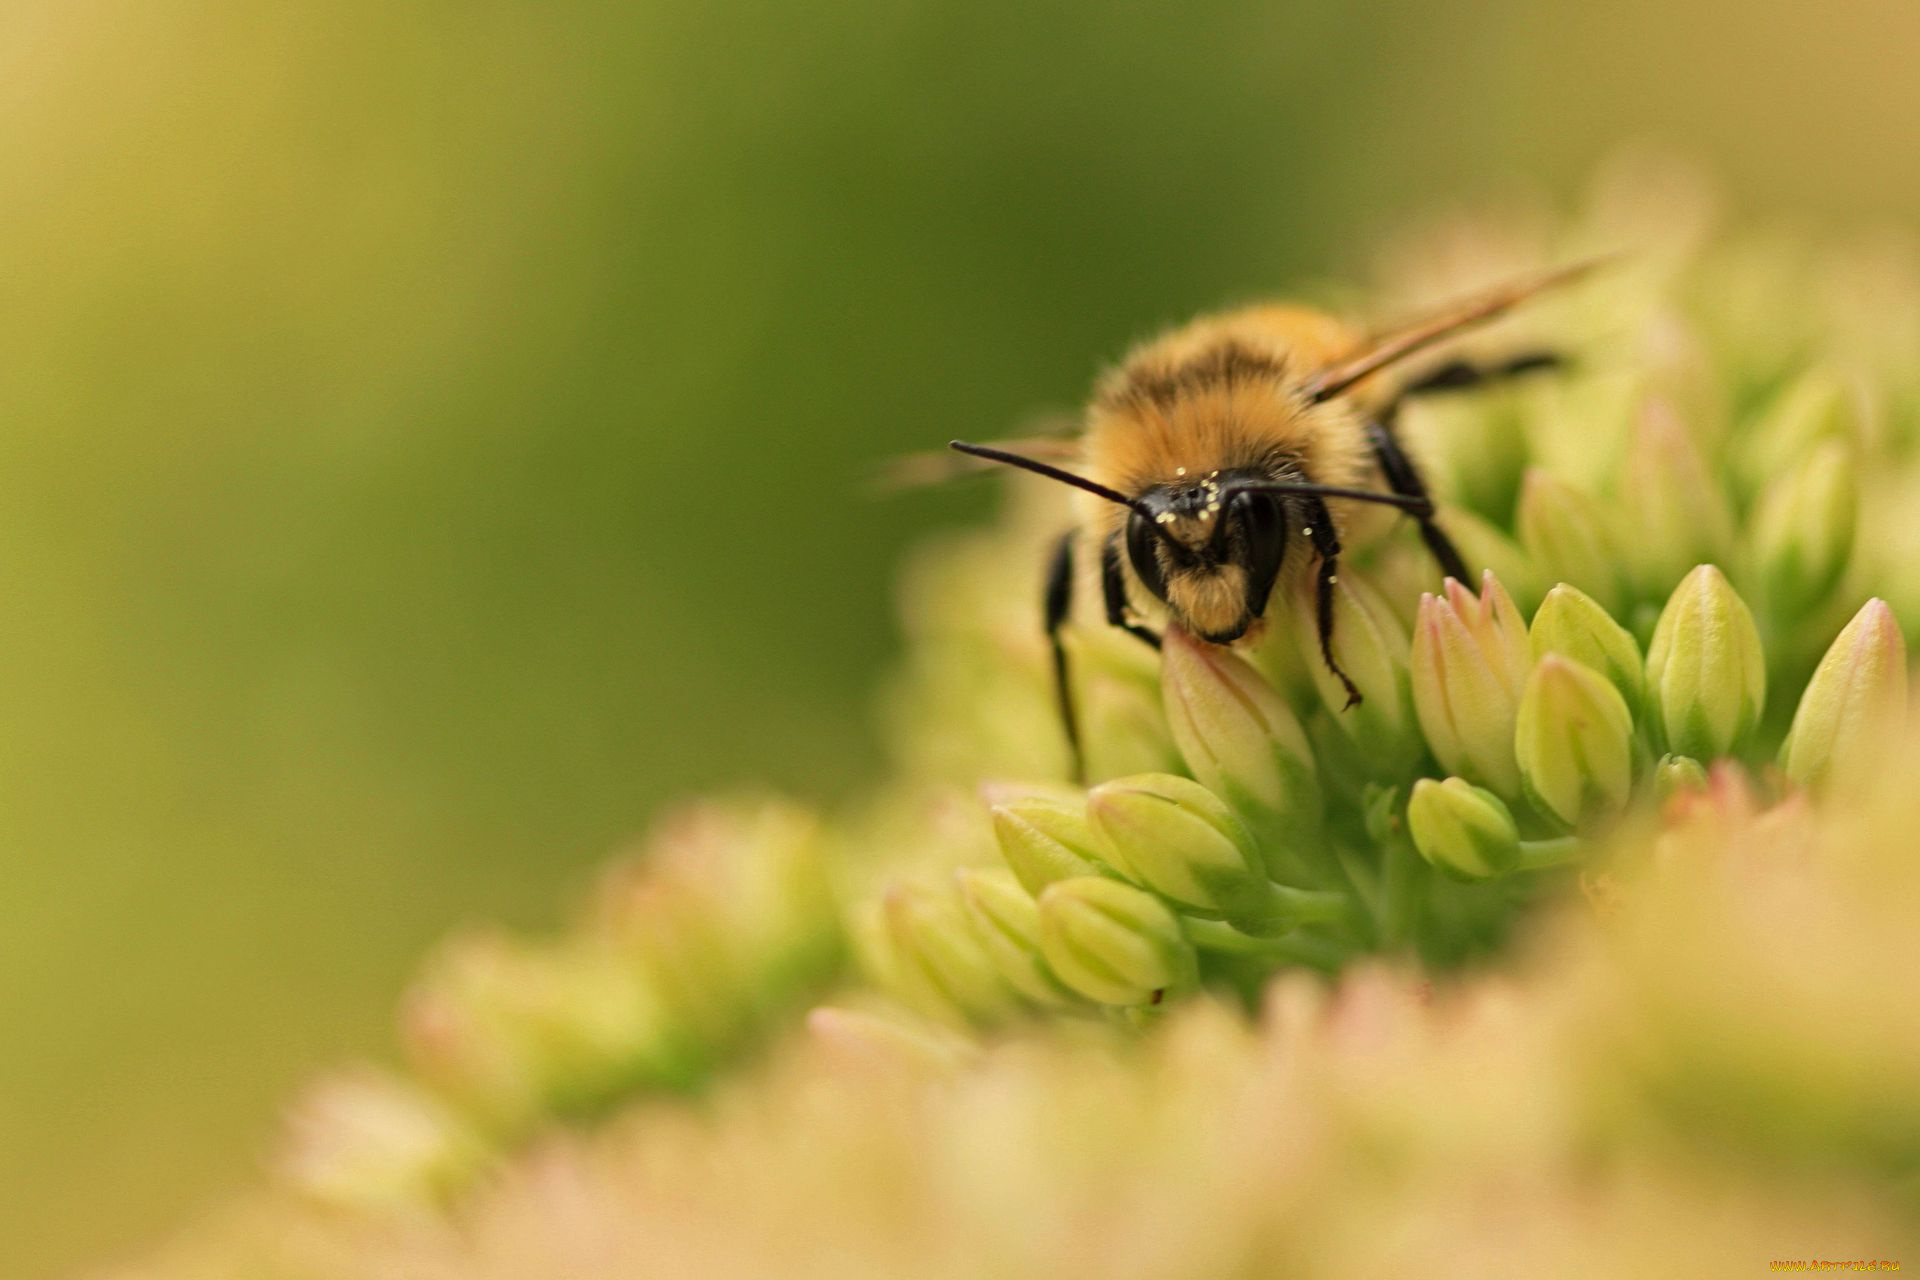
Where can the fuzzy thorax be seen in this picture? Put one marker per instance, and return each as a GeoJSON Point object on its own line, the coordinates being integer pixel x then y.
{"type": "Point", "coordinates": [1226, 394]}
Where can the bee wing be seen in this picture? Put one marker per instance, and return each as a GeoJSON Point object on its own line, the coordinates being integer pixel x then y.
{"type": "Point", "coordinates": [1408, 339]}
{"type": "Point", "coordinates": [1051, 439]}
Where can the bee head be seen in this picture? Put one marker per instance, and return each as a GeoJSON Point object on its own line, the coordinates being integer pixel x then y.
{"type": "Point", "coordinates": [1210, 550]}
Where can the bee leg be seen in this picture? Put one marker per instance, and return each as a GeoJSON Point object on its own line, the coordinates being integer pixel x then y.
{"type": "Point", "coordinates": [1114, 588]}
{"type": "Point", "coordinates": [1058, 606]}
{"type": "Point", "coordinates": [1461, 375]}
{"type": "Point", "coordinates": [1404, 479]}
{"type": "Point", "coordinates": [1326, 541]}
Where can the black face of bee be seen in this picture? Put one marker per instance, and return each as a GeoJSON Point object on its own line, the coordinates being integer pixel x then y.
{"type": "Point", "coordinates": [1187, 535]}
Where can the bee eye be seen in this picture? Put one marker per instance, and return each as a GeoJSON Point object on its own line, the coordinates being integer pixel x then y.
{"type": "Point", "coordinates": [1142, 542]}
{"type": "Point", "coordinates": [1263, 526]}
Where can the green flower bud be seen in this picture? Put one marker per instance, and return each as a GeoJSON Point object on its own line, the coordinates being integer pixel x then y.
{"type": "Point", "coordinates": [1566, 531]}
{"type": "Point", "coordinates": [694, 967]}
{"type": "Point", "coordinates": [938, 953]}
{"type": "Point", "coordinates": [1045, 838]}
{"type": "Point", "coordinates": [603, 1028]}
{"type": "Point", "coordinates": [1574, 741]}
{"type": "Point", "coordinates": [1803, 530]}
{"type": "Point", "coordinates": [1371, 647]}
{"type": "Point", "coordinates": [1113, 943]}
{"type": "Point", "coordinates": [511, 1030]}
{"type": "Point", "coordinates": [876, 957]}
{"type": "Point", "coordinates": [1462, 829]}
{"type": "Point", "coordinates": [1470, 661]}
{"type": "Point", "coordinates": [1706, 674]}
{"type": "Point", "coordinates": [1178, 839]}
{"type": "Point", "coordinates": [1571, 623]}
{"type": "Point", "coordinates": [1242, 741]}
{"type": "Point", "coordinates": [1007, 922]}
{"type": "Point", "coordinates": [1123, 726]}
{"type": "Point", "coordinates": [1674, 503]}
{"type": "Point", "coordinates": [1818, 409]}
{"type": "Point", "coordinates": [1475, 447]}
{"type": "Point", "coordinates": [729, 911]}
{"type": "Point", "coordinates": [1857, 696]}
{"type": "Point", "coordinates": [1675, 775]}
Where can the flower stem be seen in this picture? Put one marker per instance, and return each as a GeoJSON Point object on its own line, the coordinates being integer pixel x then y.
{"type": "Point", "coordinates": [1545, 855]}
{"type": "Point", "coordinates": [1299, 947]}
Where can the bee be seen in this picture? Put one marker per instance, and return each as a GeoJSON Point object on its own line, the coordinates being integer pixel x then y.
{"type": "Point", "coordinates": [1214, 450]}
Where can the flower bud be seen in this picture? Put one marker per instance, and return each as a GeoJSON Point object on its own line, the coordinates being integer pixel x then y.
{"type": "Point", "coordinates": [1475, 447]}
{"type": "Point", "coordinates": [1572, 624]}
{"type": "Point", "coordinates": [878, 960]}
{"type": "Point", "coordinates": [1674, 503]}
{"type": "Point", "coordinates": [1462, 829]}
{"type": "Point", "coordinates": [1803, 530]}
{"type": "Point", "coordinates": [1045, 838]}
{"type": "Point", "coordinates": [1114, 943]}
{"type": "Point", "coordinates": [463, 1030]}
{"type": "Point", "coordinates": [1371, 646]}
{"type": "Point", "coordinates": [1123, 723]}
{"type": "Point", "coordinates": [511, 1030]}
{"type": "Point", "coordinates": [1470, 661]}
{"type": "Point", "coordinates": [728, 912]}
{"type": "Point", "coordinates": [515, 1031]}
{"type": "Point", "coordinates": [937, 952]}
{"type": "Point", "coordinates": [1565, 532]}
{"type": "Point", "coordinates": [1007, 922]}
{"type": "Point", "coordinates": [1678, 775]}
{"type": "Point", "coordinates": [1857, 696]}
{"type": "Point", "coordinates": [1486, 547]}
{"type": "Point", "coordinates": [696, 971]}
{"type": "Point", "coordinates": [1574, 740]}
{"type": "Point", "coordinates": [1178, 839]}
{"type": "Point", "coordinates": [1241, 740]}
{"type": "Point", "coordinates": [604, 1028]}
{"type": "Point", "coordinates": [366, 1140]}
{"type": "Point", "coordinates": [1818, 409]}
{"type": "Point", "coordinates": [1706, 674]}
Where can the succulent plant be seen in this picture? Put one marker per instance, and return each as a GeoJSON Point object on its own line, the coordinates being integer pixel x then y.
{"type": "Point", "coordinates": [1186, 1018]}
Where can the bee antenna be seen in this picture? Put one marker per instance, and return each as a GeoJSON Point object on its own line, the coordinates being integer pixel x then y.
{"type": "Point", "coordinates": [1401, 501]}
{"type": "Point", "coordinates": [1040, 468]}
{"type": "Point", "coordinates": [1051, 472]}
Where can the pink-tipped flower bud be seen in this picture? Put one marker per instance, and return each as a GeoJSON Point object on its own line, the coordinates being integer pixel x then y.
{"type": "Point", "coordinates": [1370, 645]}
{"type": "Point", "coordinates": [1471, 656]}
{"type": "Point", "coordinates": [1856, 698]}
{"type": "Point", "coordinates": [1242, 741]}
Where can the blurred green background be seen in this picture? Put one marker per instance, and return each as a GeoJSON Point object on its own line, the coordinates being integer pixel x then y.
{"type": "Point", "coordinates": [431, 434]}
